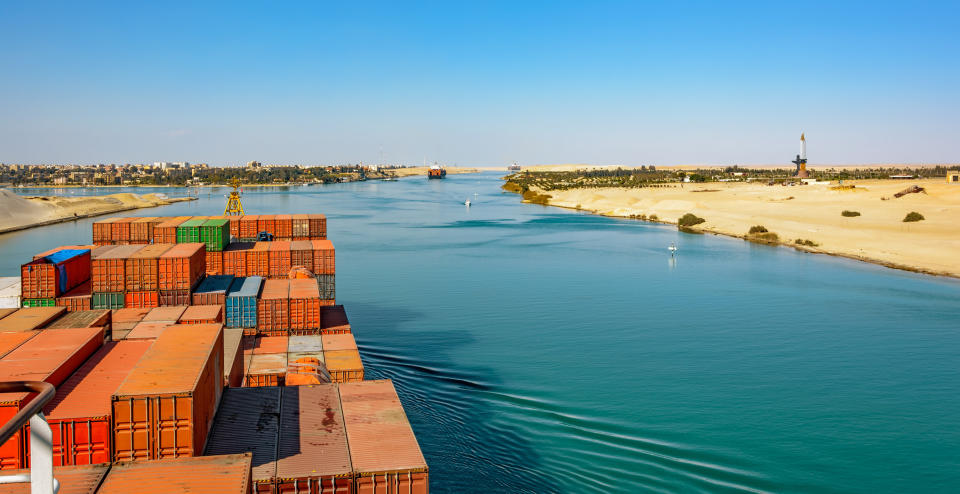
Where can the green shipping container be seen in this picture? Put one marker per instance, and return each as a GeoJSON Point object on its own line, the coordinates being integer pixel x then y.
{"type": "Point", "coordinates": [39, 302]}
{"type": "Point", "coordinates": [106, 300]}
{"type": "Point", "coordinates": [216, 234]}
{"type": "Point", "coordinates": [189, 231]}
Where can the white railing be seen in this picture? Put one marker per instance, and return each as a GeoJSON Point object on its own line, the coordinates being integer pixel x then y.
{"type": "Point", "coordinates": [41, 438]}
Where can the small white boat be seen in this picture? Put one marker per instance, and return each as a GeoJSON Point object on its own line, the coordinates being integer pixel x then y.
{"type": "Point", "coordinates": [672, 248]}
{"type": "Point", "coordinates": [467, 202]}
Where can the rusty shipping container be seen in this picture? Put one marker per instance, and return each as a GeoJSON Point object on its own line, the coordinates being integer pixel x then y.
{"type": "Point", "coordinates": [214, 262]}
{"type": "Point", "coordinates": [77, 299]}
{"type": "Point", "coordinates": [301, 227]}
{"type": "Point", "coordinates": [258, 260]}
{"type": "Point", "coordinates": [385, 454]}
{"type": "Point", "coordinates": [279, 256]}
{"type": "Point", "coordinates": [174, 297]}
{"type": "Point", "coordinates": [333, 320]}
{"type": "Point", "coordinates": [301, 254]}
{"type": "Point", "coordinates": [249, 421]}
{"type": "Point", "coordinates": [83, 319]}
{"type": "Point", "coordinates": [79, 414]}
{"type": "Point", "coordinates": [222, 474]}
{"type": "Point", "coordinates": [235, 258]}
{"type": "Point", "coordinates": [324, 257]}
{"type": "Point", "coordinates": [84, 479]}
{"type": "Point", "coordinates": [284, 226]}
{"type": "Point", "coordinates": [182, 266]}
{"type": "Point", "coordinates": [266, 369]}
{"type": "Point", "coordinates": [202, 314]}
{"type": "Point", "coordinates": [313, 455]}
{"type": "Point", "coordinates": [142, 268]}
{"type": "Point", "coordinates": [166, 231]}
{"type": "Point", "coordinates": [234, 225]}
{"type": "Point", "coordinates": [102, 231]}
{"type": "Point", "coordinates": [166, 405]}
{"type": "Point", "coordinates": [55, 274]}
{"type": "Point", "coordinates": [304, 305]}
{"type": "Point", "coordinates": [30, 318]}
{"type": "Point", "coordinates": [344, 366]}
{"type": "Point", "coordinates": [318, 226]}
{"type": "Point", "coordinates": [267, 223]}
{"type": "Point", "coordinates": [273, 308]}
{"type": "Point", "coordinates": [249, 225]}
{"type": "Point", "coordinates": [141, 229]}
{"type": "Point", "coordinates": [108, 269]}
{"type": "Point", "coordinates": [50, 356]}
{"type": "Point", "coordinates": [213, 290]}
{"type": "Point", "coordinates": [233, 359]}
{"type": "Point", "coordinates": [120, 231]}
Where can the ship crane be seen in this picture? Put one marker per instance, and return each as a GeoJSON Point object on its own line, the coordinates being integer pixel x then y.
{"type": "Point", "coordinates": [234, 206]}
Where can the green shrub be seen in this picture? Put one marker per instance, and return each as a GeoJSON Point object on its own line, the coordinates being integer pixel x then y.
{"type": "Point", "coordinates": [653, 217]}
{"type": "Point", "coordinates": [535, 198]}
{"type": "Point", "coordinates": [808, 243]}
{"type": "Point", "coordinates": [512, 187]}
{"type": "Point", "coordinates": [689, 220]}
{"type": "Point", "coordinates": [850, 214]}
{"type": "Point", "coordinates": [913, 216]}
{"type": "Point", "coordinates": [758, 229]}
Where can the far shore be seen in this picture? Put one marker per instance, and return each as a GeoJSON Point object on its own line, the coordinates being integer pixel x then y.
{"type": "Point", "coordinates": [810, 214]}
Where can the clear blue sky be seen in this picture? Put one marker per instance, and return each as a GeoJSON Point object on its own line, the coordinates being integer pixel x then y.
{"type": "Point", "coordinates": [479, 82]}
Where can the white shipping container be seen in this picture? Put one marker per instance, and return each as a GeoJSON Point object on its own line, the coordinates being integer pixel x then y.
{"type": "Point", "coordinates": [10, 292]}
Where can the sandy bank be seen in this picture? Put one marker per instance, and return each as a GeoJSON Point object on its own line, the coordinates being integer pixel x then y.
{"type": "Point", "coordinates": [20, 212]}
{"type": "Point", "coordinates": [422, 170]}
{"type": "Point", "coordinates": [810, 212]}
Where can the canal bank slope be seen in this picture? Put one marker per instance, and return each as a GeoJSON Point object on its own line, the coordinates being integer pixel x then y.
{"type": "Point", "coordinates": [808, 213]}
{"type": "Point", "coordinates": [20, 212]}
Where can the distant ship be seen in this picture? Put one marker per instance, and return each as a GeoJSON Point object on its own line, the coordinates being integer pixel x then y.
{"type": "Point", "coordinates": [436, 172]}
{"type": "Point", "coordinates": [513, 168]}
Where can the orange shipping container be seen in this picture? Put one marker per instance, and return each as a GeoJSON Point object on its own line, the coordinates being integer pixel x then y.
{"type": "Point", "coordinates": [343, 365]}
{"type": "Point", "coordinates": [83, 319]}
{"type": "Point", "coordinates": [84, 479]}
{"type": "Point", "coordinates": [30, 318]}
{"type": "Point", "coordinates": [312, 452]}
{"type": "Point", "coordinates": [214, 262]}
{"type": "Point", "coordinates": [248, 420]}
{"type": "Point", "coordinates": [284, 226]}
{"type": "Point", "coordinates": [249, 226]}
{"type": "Point", "coordinates": [301, 254]}
{"type": "Point", "coordinates": [235, 258]}
{"type": "Point", "coordinates": [270, 344]}
{"type": "Point", "coordinates": [273, 308]}
{"type": "Point", "coordinates": [141, 299]}
{"type": "Point", "coordinates": [174, 297]}
{"type": "Point", "coordinates": [304, 304]}
{"type": "Point", "coordinates": [108, 270]}
{"type": "Point", "coordinates": [301, 227]}
{"type": "Point", "coordinates": [267, 369]}
{"type": "Point", "coordinates": [141, 229]}
{"type": "Point", "coordinates": [333, 320]}
{"type": "Point", "coordinates": [77, 299]}
{"type": "Point", "coordinates": [226, 474]}
{"type": "Point", "coordinates": [141, 268]}
{"type": "Point", "coordinates": [182, 266]}
{"type": "Point", "coordinates": [166, 405]}
{"type": "Point", "coordinates": [50, 356]}
{"type": "Point", "coordinates": [165, 314]}
{"type": "Point", "coordinates": [234, 225]}
{"type": "Point", "coordinates": [166, 232]}
{"type": "Point", "coordinates": [324, 257]}
{"type": "Point", "coordinates": [233, 361]}
{"type": "Point", "coordinates": [279, 259]}
{"type": "Point", "coordinates": [120, 231]}
{"type": "Point", "coordinates": [267, 223]}
{"type": "Point", "coordinates": [129, 315]}
{"type": "Point", "coordinates": [376, 424]}
{"type": "Point", "coordinates": [79, 415]}
{"type": "Point", "coordinates": [338, 342]}
{"type": "Point", "coordinates": [258, 260]}
{"type": "Point", "coordinates": [202, 314]}
{"type": "Point", "coordinates": [147, 330]}
{"type": "Point", "coordinates": [10, 341]}
{"type": "Point", "coordinates": [318, 226]}
{"type": "Point", "coordinates": [102, 231]}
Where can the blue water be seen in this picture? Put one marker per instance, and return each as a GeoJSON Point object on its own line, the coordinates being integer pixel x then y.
{"type": "Point", "coordinates": [543, 350]}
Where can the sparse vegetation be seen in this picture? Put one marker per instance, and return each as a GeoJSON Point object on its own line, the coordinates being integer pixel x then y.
{"type": "Point", "coordinates": [758, 229]}
{"type": "Point", "coordinates": [913, 216]}
{"type": "Point", "coordinates": [689, 220]}
{"type": "Point", "coordinates": [512, 187]}
{"type": "Point", "coordinates": [535, 198]}
{"type": "Point", "coordinates": [808, 243]}
{"type": "Point", "coordinates": [764, 237]}
{"type": "Point", "coordinates": [653, 217]}
{"type": "Point", "coordinates": [850, 214]}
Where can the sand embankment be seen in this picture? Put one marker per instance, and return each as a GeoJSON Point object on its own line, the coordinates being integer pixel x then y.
{"type": "Point", "coordinates": [809, 212]}
{"type": "Point", "coordinates": [21, 212]}
{"type": "Point", "coordinates": [422, 170]}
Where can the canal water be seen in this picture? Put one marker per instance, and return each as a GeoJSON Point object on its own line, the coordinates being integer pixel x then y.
{"type": "Point", "coordinates": [538, 349]}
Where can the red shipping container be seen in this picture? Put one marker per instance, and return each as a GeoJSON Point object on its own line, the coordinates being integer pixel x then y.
{"type": "Point", "coordinates": [166, 405]}
{"type": "Point", "coordinates": [202, 314]}
{"type": "Point", "coordinates": [141, 229]}
{"type": "Point", "coordinates": [304, 304]}
{"type": "Point", "coordinates": [79, 415]}
{"type": "Point", "coordinates": [324, 257]}
{"type": "Point", "coordinates": [301, 254]}
{"type": "Point", "coordinates": [120, 231]}
{"type": "Point", "coordinates": [141, 299]}
{"type": "Point", "coordinates": [11, 341]}
{"type": "Point", "coordinates": [44, 279]}
{"type": "Point", "coordinates": [166, 232]}
{"type": "Point", "coordinates": [318, 226]}
{"type": "Point", "coordinates": [141, 270]}
{"type": "Point", "coordinates": [214, 262]}
{"type": "Point", "coordinates": [182, 266]}
{"type": "Point", "coordinates": [267, 223]}
{"type": "Point", "coordinates": [50, 356]}
{"type": "Point", "coordinates": [108, 269]}
{"type": "Point", "coordinates": [77, 299]}
{"type": "Point", "coordinates": [333, 320]}
{"type": "Point", "coordinates": [199, 475]}
{"type": "Point", "coordinates": [385, 454]}
{"type": "Point", "coordinates": [301, 227]}
{"type": "Point", "coordinates": [284, 226]}
{"type": "Point", "coordinates": [102, 231]}
{"type": "Point", "coordinates": [249, 226]}
{"type": "Point", "coordinates": [258, 260]}
{"type": "Point", "coordinates": [174, 297]}
{"type": "Point", "coordinates": [280, 259]}
{"type": "Point", "coordinates": [235, 258]}
{"type": "Point", "coordinates": [273, 308]}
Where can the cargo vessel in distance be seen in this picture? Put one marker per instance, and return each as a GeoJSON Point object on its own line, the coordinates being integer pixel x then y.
{"type": "Point", "coordinates": [436, 171]}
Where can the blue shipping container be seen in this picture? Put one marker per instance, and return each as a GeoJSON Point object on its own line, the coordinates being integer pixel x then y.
{"type": "Point", "coordinates": [241, 307]}
{"type": "Point", "coordinates": [219, 283]}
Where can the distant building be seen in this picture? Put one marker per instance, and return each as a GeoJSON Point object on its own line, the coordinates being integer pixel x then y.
{"type": "Point", "coordinates": [953, 177]}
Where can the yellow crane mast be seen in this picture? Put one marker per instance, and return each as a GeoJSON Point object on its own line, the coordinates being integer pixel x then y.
{"type": "Point", "coordinates": [234, 206]}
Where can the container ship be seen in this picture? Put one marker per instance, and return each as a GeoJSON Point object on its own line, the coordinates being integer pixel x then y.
{"type": "Point", "coordinates": [436, 171]}
{"type": "Point", "coordinates": [189, 356]}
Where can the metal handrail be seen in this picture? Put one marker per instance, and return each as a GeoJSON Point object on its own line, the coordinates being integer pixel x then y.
{"type": "Point", "coordinates": [41, 437]}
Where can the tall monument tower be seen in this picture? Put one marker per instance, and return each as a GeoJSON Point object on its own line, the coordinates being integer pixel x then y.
{"type": "Point", "coordinates": [801, 160]}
